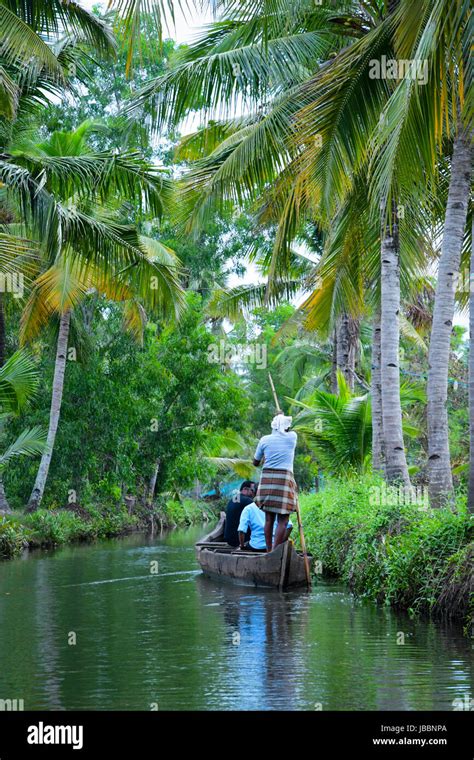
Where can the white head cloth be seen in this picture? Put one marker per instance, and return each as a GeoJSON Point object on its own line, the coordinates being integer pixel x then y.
{"type": "Point", "coordinates": [281, 423]}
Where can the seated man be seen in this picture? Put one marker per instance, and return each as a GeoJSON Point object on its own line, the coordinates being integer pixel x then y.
{"type": "Point", "coordinates": [253, 518]}
{"type": "Point", "coordinates": [234, 509]}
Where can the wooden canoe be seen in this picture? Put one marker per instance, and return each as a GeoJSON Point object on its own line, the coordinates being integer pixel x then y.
{"type": "Point", "coordinates": [282, 568]}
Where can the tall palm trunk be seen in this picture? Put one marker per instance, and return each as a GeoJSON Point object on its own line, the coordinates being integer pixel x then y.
{"type": "Point", "coordinates": [4, 505]}
{"type": "Point", "coordinates": [334, 388]}
{"type": "Point", "coordinates": [393, 448]}
{"type": "Point", "coordinates": [2, 330]}
{"type": "Point", "coordinates": [395, 460]}
{"type": "Point", "coordinates": [470, 497]}
{"type": "Point", "coordinates": [347, 338]}
{"type": "Point", "coordinates": [376, 395]}
{"type": "Point", "coordinates": [56, 399]}
{"type": "Point", "coordinates": [440, 482]}
{"type": "Point", "coordinates": [153, 479]}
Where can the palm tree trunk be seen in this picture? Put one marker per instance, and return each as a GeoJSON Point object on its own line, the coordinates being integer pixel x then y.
{"type": "Point", "coordinates": [470, 496]}
{"type": "Point", "coordinates": [2, 330]}
{"type": "Point", "coordinates": [334, 388]}
{"type": "Point", "coordinates": [56, 399]}
{"type": "Point", "coordinates": [440, 481]}
{"type": "Point", "coordinates": [347, 337]}
{"type": "Point", "coordinates": [396, 468]}
{"type": "Point", "coordinates": [376, 394]}
{"type": "Point", "coordinates": [153, 479]}
{"type": "Point", "coordinates": [4, 505]}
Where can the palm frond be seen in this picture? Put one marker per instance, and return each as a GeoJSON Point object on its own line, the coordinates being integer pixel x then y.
{"type": "Point", "coordinates": [51, 19]}
{"type": "Point", "coordinates": [9, 94]}
{"type": "Point", "coordinates": [19, 41]}
{"type": "Point", "coordinates": [337, 427]}
{"type": "Point", "coordinates": [236, 302]}
{"type": "Point", "coordinates": [410, 332]}
{"type": "Point", "coordinates": [29, 443]}
{"type": "Point", "coordinates": [65, 167]}
{"type": "Point", "coordinates": [19, 258]}
{"type": "Point", "coordinates": [229, 68]}
{"type": "Point", "coordinates": [18, 381]}
{"type": "Point", "coordinates": [242, 467]}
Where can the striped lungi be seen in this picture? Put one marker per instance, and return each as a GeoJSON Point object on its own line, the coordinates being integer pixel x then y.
{"type": "Point", "coordinates": [277, 492]}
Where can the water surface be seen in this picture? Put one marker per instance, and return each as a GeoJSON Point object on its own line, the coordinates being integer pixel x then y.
{"type": "Point", "coordinates": [178, 641]}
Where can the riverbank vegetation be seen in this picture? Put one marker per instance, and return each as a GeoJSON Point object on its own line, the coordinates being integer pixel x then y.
{"type": "Point", "coordinates": [47, 528]}
{"type": "Point", "coordinates": [407, 556]}
{"type": "Point", "coordinates": [177, 219]}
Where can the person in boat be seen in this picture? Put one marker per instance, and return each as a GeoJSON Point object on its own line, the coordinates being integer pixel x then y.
{"type": "Point", "coordinates": [253, 519]}
{"type": "Point", "coordinates": [277, 492]}
{"type": "Point", "coordinates": [234, 510]}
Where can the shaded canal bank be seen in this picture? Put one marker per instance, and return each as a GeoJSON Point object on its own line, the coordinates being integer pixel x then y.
{"type": "Point", "coordinates": [150, 631]}
{"type": "Point", "coordinates": [48, 528]}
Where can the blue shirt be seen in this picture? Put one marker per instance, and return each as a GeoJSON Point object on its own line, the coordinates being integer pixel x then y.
{"type": "Point", "coordinates": [254, 518]}
{"type": "Point", "coordinates": [278, 449]}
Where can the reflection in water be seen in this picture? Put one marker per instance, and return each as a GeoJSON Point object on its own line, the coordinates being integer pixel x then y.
{"type": "Point", "coordinates": [262, 627]}
{"type": "Point", "coordinates": [187, 642]}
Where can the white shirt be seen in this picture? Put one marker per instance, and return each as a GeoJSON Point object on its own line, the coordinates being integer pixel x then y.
{"type": "Point", "coordinates": [279, 450]}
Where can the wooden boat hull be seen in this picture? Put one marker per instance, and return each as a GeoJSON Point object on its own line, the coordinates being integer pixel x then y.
{"type": "Point", "coordinates": [282, 568]}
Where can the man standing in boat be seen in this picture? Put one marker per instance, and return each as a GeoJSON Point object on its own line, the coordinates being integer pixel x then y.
{"type": "Point", "coordinates": [277, 492]}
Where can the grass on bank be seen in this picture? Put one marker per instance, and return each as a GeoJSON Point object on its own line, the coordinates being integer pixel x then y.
{"type": "Point", "coordinates": [405, 555]}
{"type": "Point", "coordinates": [48, 527]}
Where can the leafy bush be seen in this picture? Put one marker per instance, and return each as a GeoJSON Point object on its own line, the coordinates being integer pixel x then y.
{"type": "Point", "coordinates": [50, 528]}
{"type": "Point", "coordinates": [12, 537]}
{"type": "Point", "coordinates": [53, 527]}
{"type": "Point", "coordinates": [400, 554]}
{"type": "Point", "coordinates": [113, 523]}
{"type": "Point", "coordinates": [184, 512]}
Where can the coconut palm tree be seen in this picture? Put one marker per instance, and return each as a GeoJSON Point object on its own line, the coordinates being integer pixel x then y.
{"type": "Point", "coordinates": [29, 37]}
{"type": "Point", "coordinates": [378, 456]}
{"type": "Point", "coordinates": [470, 500]}
{"type": "Point", "coordinates": [439, 460]}
{"type": "Point", "coordinates": [329, 96]}
{"type": "Point", "coordinates": [85, 243]}
{"type": "Point", "coordinates": [421, 114]}
{"type": "Point", "coordinates": [343, 101]}
{"type": "Point", "coordinates": [56, 293]}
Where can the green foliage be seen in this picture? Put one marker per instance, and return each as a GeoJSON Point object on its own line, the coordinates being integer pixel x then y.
{"type": "Point", "coordinates": [51, 528]}
{"type": "Point", "coordinates": [107, 88]}
{"type": "Point", "coordinates": [338, 427]}
{"type": "Point", "coordinates": [55, 527]}
{"type": "Point", "coordinates": [12, 537]}
{"type": "Point", "coordinates": [112, 432]}
{"type": "Point", "coordinates": [184, 512]}
{"type": "Point", "coordinates": [18, 384]}
{"type": "Point", "coordinates": [400, 554]}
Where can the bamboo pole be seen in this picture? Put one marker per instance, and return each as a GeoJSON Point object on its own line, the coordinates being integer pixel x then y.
{"type": "Point", "coordinates": [277, 405]}
{"type": "Point", "coordinates": [298, 513]}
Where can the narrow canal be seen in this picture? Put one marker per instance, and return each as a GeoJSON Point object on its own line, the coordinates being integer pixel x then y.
{"type": "Point", "coordinates": [131, 624]}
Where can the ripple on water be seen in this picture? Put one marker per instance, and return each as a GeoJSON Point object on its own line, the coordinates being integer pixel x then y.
{"type": "Point", "coordinates": [185, 642]}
